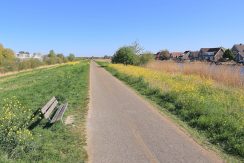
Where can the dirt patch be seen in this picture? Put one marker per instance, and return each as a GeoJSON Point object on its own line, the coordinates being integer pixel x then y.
{"type": "Point", "coordinates": [69, 120]}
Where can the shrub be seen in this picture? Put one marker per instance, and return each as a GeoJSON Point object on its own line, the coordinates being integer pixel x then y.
{"type": "Point", "coordinates": [164, 55]}
{"type": "Point", "coordinates": [125, 55]}
{"type": "Point", "coordinates": [146, 57]}
{"type": "Point", "coordinates": [71, 57]}
{"type": "Point", "coordinates": [15, 138]}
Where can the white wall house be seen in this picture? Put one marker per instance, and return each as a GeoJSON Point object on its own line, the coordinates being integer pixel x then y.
{"type": "Point", "coordinates": [26, 55]}
{"type": "Point", "coordinates": [37, 56]}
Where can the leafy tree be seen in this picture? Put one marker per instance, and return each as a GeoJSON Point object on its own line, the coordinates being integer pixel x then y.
{"type": "Point", "coordinates": [60, 58]}
{"type": "Point", "coordinates": [229, 54]}
{"type": "Point", "coordinates": [1, 48]}
{"type": "Point", "coordinates": [52, 57]}
{"type": "Point", "coordinates": [51, 54]}
{"type": "Point", "coordinates": [106, 57]}
{"type": "Point", "coordinates": [1, 54]}
{"type": "Point", "coordinates": [60, 55]}
{"type": "Point", "coordinates": [71, 57]}
{"type": "Point", "coordinates": [164, 55]}
{"type": "Point", "coordinates": [7, 56]}
{"type": "Point", "coordinates": [125, 55]}
{"type": "Point", "coordinates": [65, 59]}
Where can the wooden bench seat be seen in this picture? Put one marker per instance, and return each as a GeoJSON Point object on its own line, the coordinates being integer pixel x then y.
{"type": "Point", "coordinates": [51, 107]}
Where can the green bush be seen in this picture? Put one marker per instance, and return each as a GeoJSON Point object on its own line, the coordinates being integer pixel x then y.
{"type": "Point", "coordinates": [125, 55]}
{"type": "Point", "coordinates": [145, 58]}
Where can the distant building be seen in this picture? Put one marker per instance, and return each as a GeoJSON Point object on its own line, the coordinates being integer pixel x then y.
{"type": "Point", "coordinates": [26, 55]}
{"type": "Point", "coordinates": [194, 55]}
{"type": "Point", "coordinates": [190, 55]}
{"type": "Point", "coordinates": [157, 56]}
{"type": "Point", "coordinates": [175, 55]}
{"type": "Point", "coordinates": [185, 55]}
{"type": "Point", "coordinates": [211, 54]}
{"type": "Point", "coordinates": [238, 50]}
{"type": "Point", "coordinates": [23, 55]}
{"type": "Point", "coordinates": [38, 56]}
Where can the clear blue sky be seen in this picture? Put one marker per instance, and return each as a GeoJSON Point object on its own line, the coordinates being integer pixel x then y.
{"type": "Point", "coordinates": [99, 27]}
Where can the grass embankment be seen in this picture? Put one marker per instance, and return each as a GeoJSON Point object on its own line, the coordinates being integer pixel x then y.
{"type": "Point", "coordinates": [59, 142]}
{"type": "Point", "coordinates": [215, 112]}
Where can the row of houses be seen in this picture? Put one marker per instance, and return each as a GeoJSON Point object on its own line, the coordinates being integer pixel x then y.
{"type": "Point", "coordinates": [208, 54]}
{"type": "Point", "coordinates": [26, 55]}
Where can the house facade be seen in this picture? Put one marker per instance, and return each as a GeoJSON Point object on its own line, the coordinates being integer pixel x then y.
{"type": "Point", "coordinates": [186, 55]}
{"type": "Point", "coordinates": [23, 55]}
{"type": "Point", "coordinates": [238, 51]}
{"type": "Point", "coordinates": [211, 54]}
{"type": "Point", "coordinates": [26, 55]}
{"type": "Point", "coordinates": [176, 55]}
{"type": "Point", "coordinates": [38, 56]}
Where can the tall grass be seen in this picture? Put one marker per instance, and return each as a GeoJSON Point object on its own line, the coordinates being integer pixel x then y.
{"type": "Point", "coordinates": [225, 74]}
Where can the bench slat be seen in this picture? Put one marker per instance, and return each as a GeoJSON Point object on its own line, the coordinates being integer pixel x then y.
{"type": "Point", "coordinates": [57, 113]}
{"type": "Point", "coordinates": [49, 103]}
{"type": "Point", "coordinates": [51, 108]}
{"type": "Point", "coordinates": [61, 113]}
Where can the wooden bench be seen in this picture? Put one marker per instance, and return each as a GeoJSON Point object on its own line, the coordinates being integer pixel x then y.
{"type": "Point", "coordinates": [49, 109]}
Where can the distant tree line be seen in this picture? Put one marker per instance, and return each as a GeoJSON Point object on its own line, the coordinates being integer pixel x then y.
{"type": "Point", "coordinates": [9, 62]}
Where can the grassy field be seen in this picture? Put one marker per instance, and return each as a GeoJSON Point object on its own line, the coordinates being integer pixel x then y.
{"type": "Point", "coordinates": [214, 112]}
{"type": "Point", "coordinates": [31, 90]}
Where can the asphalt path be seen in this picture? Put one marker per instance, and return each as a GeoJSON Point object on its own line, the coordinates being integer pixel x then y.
{"type": "Point", "coordinates": [125, 128]}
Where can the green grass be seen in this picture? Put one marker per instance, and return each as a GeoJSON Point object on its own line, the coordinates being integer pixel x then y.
{"type": "Point", "coordinates": [58, 143]}
{"type": "Point", "coordinates": [208, 121]}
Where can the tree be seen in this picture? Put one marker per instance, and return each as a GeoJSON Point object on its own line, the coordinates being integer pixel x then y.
{"type": "Point", "coordinates": [137, 48]}
{"type": "Point", "coordinates": [51, 53]}
{"type": "Point", "coordinates": [71, 57]}
{"type": "Point", "coordinates": [164, 55]}
{"type": "Point", "coordinates": [125, 55]}
{"type": "Point", "coordinates": [228, 54]}
{"type": "Point", "coordinates": [106, 57]}
{"type": "Point", "coordinates": [52, 58]}
{"type": "Point", "coordinates": [60, 55]}
{"type": "Point", "coordinates": [7, 56]}
{"type": "Point", "coordinates": [60, 58]}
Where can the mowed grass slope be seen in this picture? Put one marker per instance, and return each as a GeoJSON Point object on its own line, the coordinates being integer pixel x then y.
{"type": "Point", "coordinates": [214, 111]}
{"type": "Point", "coordinates": [58, 143]}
